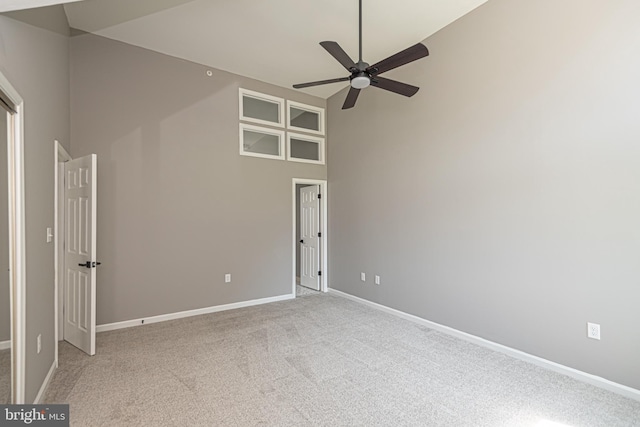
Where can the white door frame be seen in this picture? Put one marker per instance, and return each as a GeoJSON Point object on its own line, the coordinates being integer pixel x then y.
{"type": "Point", "coordinates": [323, 229]}
{"type": "Point", "coordinates": [59, 155]}
{"type": "Point", "coordinates": [17, 254]}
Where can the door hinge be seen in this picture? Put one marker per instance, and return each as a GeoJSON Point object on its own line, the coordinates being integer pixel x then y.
{"type": "Point", "coordinates": [319, 273]}
{"type": "Point", "coordinates": [319, 196]}
{"type": "Point", "coordinates": [319, 234]}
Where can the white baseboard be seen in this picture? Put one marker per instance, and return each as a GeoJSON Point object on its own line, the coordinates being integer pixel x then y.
{"type": "Point", "coordinates": [189, 313]}
{"type": "Point", "coordinates": [45, 384]}
{"type": "Point", "coordinates": [4, 345]}
{"type": "Point", "coordinates": [597, 381]}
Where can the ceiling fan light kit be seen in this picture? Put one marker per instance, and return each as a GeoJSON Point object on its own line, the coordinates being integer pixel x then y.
{"type": "Point", "coordinates": [360, 81]}
{"type": "Point", "coordinates": [363, 75]}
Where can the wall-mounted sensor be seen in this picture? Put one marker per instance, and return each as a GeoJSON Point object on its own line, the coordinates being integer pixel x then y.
{"type": "Point", "coordinates": [209, 73]}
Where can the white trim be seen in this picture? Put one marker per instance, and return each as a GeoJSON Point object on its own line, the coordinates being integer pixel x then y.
{"type": "Point", "coordinates": [45, 384]}
{"type": "Point", "coordinates": [59, 155]}
{"type": "Point", "coordinates": [17, 254]}
{"type": "Point", "coordinates": [309, 108]}
{"type": "Point", "coordinates": [189, 313]}
{"type": "Point", "coordinates": [594, 380]}
{"type": "Point", "coordinates": [263, 97]}
{"type": "Point", "coordinates": [267, 131]}
{"type": "Point", "coordinates": [5, 345]}
{"type": "Point", "coordinates": [324, 279]}
{"type": "Point", "coordinates": [308, 138]}
{"type": "Point", "coordinates": [94, 250]}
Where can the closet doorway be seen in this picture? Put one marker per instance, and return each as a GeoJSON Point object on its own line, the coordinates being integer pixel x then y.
{"type": "Point", "coordinates": [309, 214]}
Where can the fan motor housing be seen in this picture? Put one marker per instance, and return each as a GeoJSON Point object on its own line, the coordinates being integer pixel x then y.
{"type": "Point", "coordinates": [361, 65]}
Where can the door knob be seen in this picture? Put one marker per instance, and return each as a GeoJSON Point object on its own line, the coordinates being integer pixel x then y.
{"type": "Point", "coordinates": [301, 241]}
{"type": "Point", "coordinates": [90, 264]}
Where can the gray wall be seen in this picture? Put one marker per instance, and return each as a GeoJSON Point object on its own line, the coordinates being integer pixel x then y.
{"type": "Point", "coordinates": [503, 199]}
{"type": "Point", "coordinates": [36, 62]}
{"type": "Point", "coordinates": [178, 207]}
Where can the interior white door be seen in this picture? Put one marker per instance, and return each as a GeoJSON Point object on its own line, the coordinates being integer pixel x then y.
{"type": "Point", "coordinates": [80, 253]}
{"type": "Point", "coordinates": [309, 237]}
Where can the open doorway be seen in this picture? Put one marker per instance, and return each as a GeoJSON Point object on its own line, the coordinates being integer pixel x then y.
{"type": "Point", "coordinates": [75, 203]}
{"type": "Point", "coordinates": [309, 236]}
{"type": "Point", "coordinates": [61, 156]}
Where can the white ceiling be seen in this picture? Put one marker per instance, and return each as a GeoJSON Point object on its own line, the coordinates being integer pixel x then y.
{"type": "Point", "coordinates": [11, 5]}
{"type": "Point", "coordinates": [275, 41]}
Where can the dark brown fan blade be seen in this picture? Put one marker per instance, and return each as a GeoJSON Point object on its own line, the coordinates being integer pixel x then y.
{"type": "Point", "coordinates": [401, 58]}
{"type": "Point", "coordinates": [351, 99]}
{"type": "Point", "coordinates": [394, 86]}
{"type": "Point", "coordinates": [337, 52]}
{"type": "Point", "coordinates": [320, 82]}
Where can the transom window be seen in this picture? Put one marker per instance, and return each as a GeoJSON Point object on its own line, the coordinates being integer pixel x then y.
{"type": "Point", "coordinates": [305, 118]}
{"type": "Point", "coordinates": [257, 141]}
{"type": "Point", "coordinates": [260, 108]}
{"type": "Point", "coordinates": [305, 148]}
{"type": "Point", "coordinates": [264, 137]}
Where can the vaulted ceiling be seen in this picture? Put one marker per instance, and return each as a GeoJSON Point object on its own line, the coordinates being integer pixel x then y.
{"type": "Point", "coordinates": [275, 41]}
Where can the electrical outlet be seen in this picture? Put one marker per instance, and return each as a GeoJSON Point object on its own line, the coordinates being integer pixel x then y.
{"type": "Point", "coordinates": [593, 331]}
{"type": "Point", "coordinates": [362, 277]}
{"type": "Point", "coordinates": [39, 343]}
{"type": "Point", "coordinates": [227, 278]}
{"type": "Point", "coordinates": [377, 280]}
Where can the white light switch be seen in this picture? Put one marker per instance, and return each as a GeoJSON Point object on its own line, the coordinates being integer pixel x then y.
{"type": "Point", "coordinates": [377, 280]}
{"type": "Point", "coordinates": [227, 278]}
{"type": "Point", "coordinates": [49, 234]}
{"type": "Point", "coordinates": [362, 277]}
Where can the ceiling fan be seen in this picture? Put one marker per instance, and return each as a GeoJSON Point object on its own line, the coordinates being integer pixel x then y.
{"type": "Point", "coordinates": [363, 74]}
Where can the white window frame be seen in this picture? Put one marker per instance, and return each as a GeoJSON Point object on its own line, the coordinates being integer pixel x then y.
{"type": "Point", "coordinates": [263, 97]}
{"type": "Point", "coordinates": [268, 131]}
{"type": "Point", "coordinates": [310, 108]}
{"type": "Point", "coordinates": [309, 138]}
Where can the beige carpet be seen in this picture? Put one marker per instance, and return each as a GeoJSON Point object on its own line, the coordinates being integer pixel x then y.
{"type": "Point", "coordinates": [316, 361]}
{"type": "Point", "coordinates": [302, 291]}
